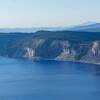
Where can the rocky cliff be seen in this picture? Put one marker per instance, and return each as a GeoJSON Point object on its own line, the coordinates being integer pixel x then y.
{"type": "Point", "coordinates": [46, 45]}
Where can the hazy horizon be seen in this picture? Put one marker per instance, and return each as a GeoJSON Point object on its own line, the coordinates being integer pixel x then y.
{"type": "Point", "coordinates": [47, 13]}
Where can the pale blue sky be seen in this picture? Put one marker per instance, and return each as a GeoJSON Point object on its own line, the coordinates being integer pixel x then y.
{"type": "Point", "coordinates": [48, 13]}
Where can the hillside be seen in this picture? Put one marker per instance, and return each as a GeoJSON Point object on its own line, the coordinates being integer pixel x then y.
{"type": "Point", "coordinates": [52, 45]}
{"type": "Point", "coordinates": [88, 28]}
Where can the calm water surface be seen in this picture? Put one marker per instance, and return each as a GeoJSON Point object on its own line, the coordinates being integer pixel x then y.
{"type": "Point", "coordinates": [48, 80]}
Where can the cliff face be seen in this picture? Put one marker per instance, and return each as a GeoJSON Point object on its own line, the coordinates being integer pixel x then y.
{"type": "Point", "coordinates": [68, 52]}
{"type": "Point", "coordinates": [62, 46]}
{"type": "Point", "coordinates": [63, 50]}
{"type": "Point", "coordinates": [93, 54]}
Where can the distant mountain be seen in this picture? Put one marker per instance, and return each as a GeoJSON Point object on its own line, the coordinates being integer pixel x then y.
{"type": "Point", "coordinates": [94, 27]}
{"type": "Point", "coordinates": [30, 30]}
{"type": "Point", "coordinates": [87, 23]}
{"type": "Point", "coordinates": [87, 27]}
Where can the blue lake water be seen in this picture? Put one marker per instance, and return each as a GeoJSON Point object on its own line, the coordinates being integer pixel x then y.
{"type": "Point", "coordinates": [48, 80]}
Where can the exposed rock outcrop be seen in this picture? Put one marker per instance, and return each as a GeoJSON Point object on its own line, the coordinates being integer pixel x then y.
{"type": "Point", "coordinates": [93, 54]}
{"type": "Point", "coordinates": [68, 53]}
{"type": "Point", "coordinates": [30, 53]}
{"type": "Point", "coordinates": [96, 48]}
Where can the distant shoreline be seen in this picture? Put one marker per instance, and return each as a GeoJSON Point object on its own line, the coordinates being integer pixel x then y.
{"type": "Point", "coordinates": [74, 61]}
{"type": "Point", "coordinates": [36, 60]}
